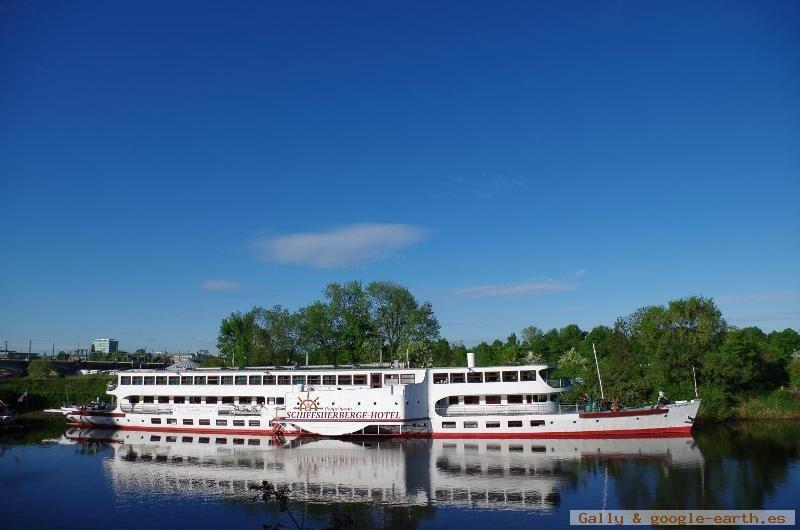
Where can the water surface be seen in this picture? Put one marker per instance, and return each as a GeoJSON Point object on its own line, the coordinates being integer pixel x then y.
{"type": "Point", "coordinates": [132, 479]}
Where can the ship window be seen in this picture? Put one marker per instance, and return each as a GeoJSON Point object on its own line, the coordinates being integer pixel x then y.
{"type": "Point", "coordinates": [163, 399]}
{"type": "Point", "coordinates": [174, 380]}
{"type": "Point", "coordinates": [283, 380]}
{"type": "Point", "coordinates": [472, 400]}
{"type": "Point", "coordinates": [203, 440]}
{"type": "Point", "coordinates": [179, 399]}
{"type": "Point", "coordinates": [345, 380]}
{"type": "Point", "coordinates": [527, 375]}
{"type": "Point", "coordinates": [475, 377]}
{"type": "Point", "coordinates": [149, 380]}
{"type": "Point", "coordinates": [448, 425]}
{"type": "Point", "coordinates": [528, 398]}
{"type": "Point", "coordinates": [492, 377]}
{"type": "Point", "coordinates": [554, 397]}
{"type": "Point", "coordinates": [515, 424]}
{"type": "Point", "coordinates": [492, 424]}
{"type": "Point", "coordinates": [457, 378]}
{"type": "Point", "coordinates": [255, 380]}
{"type": "Point", "coordinates": [269, 379]}
{"type": "Point", "coordinates": [125, 380]}
{"type": "Point", "coordinates": [187, 439]}
{"type": "Point", "coordinates": [407, 379]}
{"type": "Point", "coordinates": [314, 380]}
{"type": "Point", "coordinates": [200, 380]}
{"type": "Point", "coordinates": [241, 379]}
{"type": "Point", "coordinates": [172, 421]}
{"type": "Point", "coordinates": [195, 400]}
{"type": "Point", "coordinates": [537, 423]}
{"type": "Point", "coordinates": [188, 422]}
{"type": "Point", "coordinates": [298, 379]}
{"type": "Point", "coordinates": [186, 380]}
{"type": "Point", "coordinates": [270, 401]}
{"type": "Point", "coordinates": [155, 421]}
{"type": "Point", "coordinates": [542, 398]}
{"type": "Point", "coordinates": [360, 379]}
{"type": "Point", "coordinates": [137, 380]}
{"type": "Point", "coordinates": [245, 400]}
{"type": "Point", "coordinates": [253, 441]}
{"type": "Point", "coordinates": [515, 398]}
{"type": "Point", "coordinates": [439, 378]}
{"type": "Point", "coordinates": [510, 377]}
{"type": "Point", "coordinates": [147, 399]}
{"type": "Point", "coordinates": [238, 423]}
{"type": "Point", "coordinates": [211, 400]}
{"type": "Point", "coordinates": [279, 401]}
{"type": "Point", "coordinates": [171, 438]}
{"type": "Point", "coordinates": [254, 423]}
{"type": "Point", "coordinates": [161, 380]}
{"type": "Point", "coordinates": [227, 379]}
{"type": "Point", "coordinates": [470, 424]}
{"type": "Point", "coordinates": [204, 422]}
{"type": "Point", "coordinates": [328, 379]}
{"type": "Point", "coordinates": [221, 441]}
{"type": "Point", "coordinates": [222, 423]}
{"type": "Point", "coordinates": [155, 438]}
{"type": "Point", "coordinates": [391, 379]}
{"type": "Point", "coordinates": [238, 441]}
{"type": "Point", "coordinates": [260, 400]}
{"type": "Point", "coordinates": [492, 400]}
{"type": "Point", "coordinates": [452, 400]}
{"type": "Point", "coordinates": [213, 380]}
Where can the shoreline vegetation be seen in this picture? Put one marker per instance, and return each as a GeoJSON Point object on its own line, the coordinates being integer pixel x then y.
{"type": "Point", "coordinates": [741, 373]}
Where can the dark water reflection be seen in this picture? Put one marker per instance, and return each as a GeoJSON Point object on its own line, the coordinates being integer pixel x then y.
{"type": "Point", "coordinates": [132, 479]}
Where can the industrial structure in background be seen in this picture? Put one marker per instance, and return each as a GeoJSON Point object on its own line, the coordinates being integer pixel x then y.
{"type": "Point", "coordinates": [105, 345]}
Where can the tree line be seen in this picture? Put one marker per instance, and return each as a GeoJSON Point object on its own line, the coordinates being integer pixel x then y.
{"type": "Point", "coordinates": [659, 347]}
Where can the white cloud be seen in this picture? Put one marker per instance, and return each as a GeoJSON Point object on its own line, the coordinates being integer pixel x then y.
{"type": "Point", "coordinates": [344, 246]}
{"type": "Point", "coordinates": [758, 297]}
{"type": "Point", "coordinates": [520, 289]}
{"type": "Point", "coordinates": [578, 274]}
{"type": "Point", "coordinates": [221, 286]}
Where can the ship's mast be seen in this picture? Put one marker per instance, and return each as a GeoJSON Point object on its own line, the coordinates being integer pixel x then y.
{"type": "Point", "coordinates": [597, 364]}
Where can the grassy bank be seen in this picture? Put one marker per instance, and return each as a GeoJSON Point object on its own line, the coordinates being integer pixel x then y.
{"type": "Point", "coordinates": [780, 404]}
{"type": "Point", "coordinates": [47, 392]}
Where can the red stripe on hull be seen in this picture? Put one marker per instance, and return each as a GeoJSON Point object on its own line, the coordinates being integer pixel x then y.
{"type": "Point", "coordinates": [660, 432]}
{"type": "Point", "coordinates": [178, 430]}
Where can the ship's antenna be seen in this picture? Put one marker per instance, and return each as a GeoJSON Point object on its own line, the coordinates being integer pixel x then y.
{"type": "Point", "coordinates": [694, 376]}
{"type": "Point", "coordinates": [597, 364]}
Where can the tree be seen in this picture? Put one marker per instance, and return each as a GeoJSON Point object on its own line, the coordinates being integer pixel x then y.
{"type": "Point", "coordinates": [315, 333]}
{"type": "Point", "coordinates": [281, 327]}
{"type": "Point", "coordinates": [237, 338]}
{"type": "Point", "coordinates": [348, 307]}
{"type": "Point", "coordinates": [398, 319]}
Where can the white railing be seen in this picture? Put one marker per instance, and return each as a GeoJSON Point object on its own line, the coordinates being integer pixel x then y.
{"type": "Point", "coordinates": [140, 408]}
{"type": "Point", "coordinates": [506, 410]}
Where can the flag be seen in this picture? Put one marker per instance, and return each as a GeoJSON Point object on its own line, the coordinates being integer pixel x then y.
{"type": "Point", "coordinates": [22, 397]}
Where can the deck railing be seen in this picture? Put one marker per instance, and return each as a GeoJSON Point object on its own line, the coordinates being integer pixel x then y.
{"type": "Point", "coordinates": [140, 408]}
{"type": "Point", "coordinates": [507, 410]}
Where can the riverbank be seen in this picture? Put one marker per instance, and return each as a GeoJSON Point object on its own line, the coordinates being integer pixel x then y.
{"type": "Point", "coordinates": [50, 392]}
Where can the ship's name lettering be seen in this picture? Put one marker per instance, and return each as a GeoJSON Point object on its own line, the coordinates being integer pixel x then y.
{"type": "Point", "coordinates": [343, 415]}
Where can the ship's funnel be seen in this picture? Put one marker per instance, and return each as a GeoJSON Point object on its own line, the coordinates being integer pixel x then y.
{"type": "Point", "coordinates": [470, 359]}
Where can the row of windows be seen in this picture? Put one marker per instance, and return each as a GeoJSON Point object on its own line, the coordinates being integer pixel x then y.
{"type": "Point", "coordinates": [206, 422]}
{"type": "Point", "coordinates": [506, 376]}
{"type": "Point", "coordinates": [497, 400]}
{"type": "Point", "coordinates": [491, 424]}
{"type": "Point", "coordinates": [206, 440]}
{"type": "Point", "coordinates": [332, 379]}
{"type": "Point", "coordinates": [208, 400]}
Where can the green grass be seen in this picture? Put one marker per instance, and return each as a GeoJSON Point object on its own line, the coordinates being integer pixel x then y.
{"type": "Point", "coordinates": [779, 404]}
{"type": "Point", "coordinates": [49, 392]}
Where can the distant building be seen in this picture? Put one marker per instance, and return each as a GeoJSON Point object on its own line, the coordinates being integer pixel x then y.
{"type": "Point", "coordinates": [105, 345]}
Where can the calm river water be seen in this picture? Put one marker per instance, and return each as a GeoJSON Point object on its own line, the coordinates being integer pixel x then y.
{"type": "Point", "coordinates": [55, 478]}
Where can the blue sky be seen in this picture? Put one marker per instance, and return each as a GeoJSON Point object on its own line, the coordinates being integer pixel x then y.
{"type": "Point", "coordinates": [164, 164]}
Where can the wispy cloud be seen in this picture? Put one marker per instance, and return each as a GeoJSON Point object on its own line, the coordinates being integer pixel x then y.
{"type": "Point", "coordinates": [519, 289]}
{"type": "Point", "coordinates": [579, 274]}
{"type": "Point", "coordinates": [758, 297]}
{"type": "Point", "coordinates": [344, 246]}
{"type": "Point", "coordinates": [221, 286]}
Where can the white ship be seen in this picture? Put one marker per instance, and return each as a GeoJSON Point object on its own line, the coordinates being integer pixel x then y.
{"type": "Point", "coordinates": [466, 402]}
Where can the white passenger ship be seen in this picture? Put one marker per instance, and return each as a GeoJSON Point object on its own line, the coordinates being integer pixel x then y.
{"type": "Point", "coordinates": [471, 402]}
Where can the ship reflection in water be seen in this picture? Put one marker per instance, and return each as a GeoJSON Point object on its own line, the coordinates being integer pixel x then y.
{"type": "Point", "coordinates": [524, 475]}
